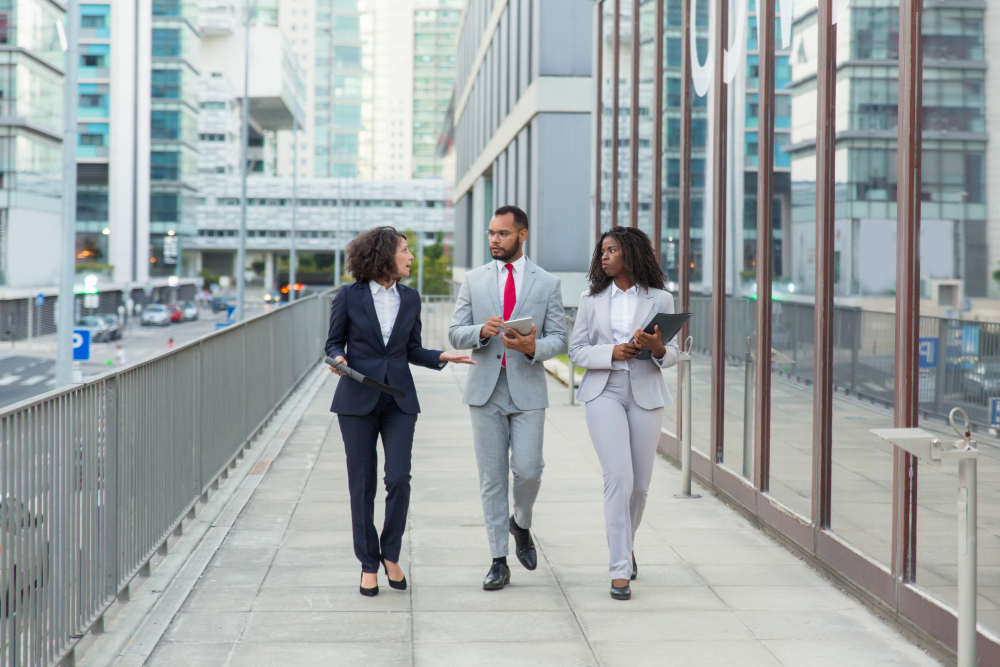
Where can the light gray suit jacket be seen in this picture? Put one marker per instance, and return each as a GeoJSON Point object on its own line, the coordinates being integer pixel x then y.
{"type": "Point", "coordinates": [478, 300]}
{"type": "Point", "coordinates": [593, 344]}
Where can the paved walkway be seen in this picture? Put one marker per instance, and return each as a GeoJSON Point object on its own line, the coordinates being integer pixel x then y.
{"type": "Point", "coordinates": [712, 590]}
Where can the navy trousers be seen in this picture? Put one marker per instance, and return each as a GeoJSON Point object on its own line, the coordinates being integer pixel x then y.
{"type": "Point", "coordinates": [360, 436]}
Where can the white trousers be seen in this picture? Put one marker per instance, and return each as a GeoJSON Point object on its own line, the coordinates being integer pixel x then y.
{"type": "Point", "coordinates": [625, 437]}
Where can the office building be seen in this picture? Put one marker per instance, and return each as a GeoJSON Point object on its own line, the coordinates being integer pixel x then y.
{"type": "Point", "coordinates": [435, 28]}
{"type": "Point", "coordinates": [522, 131]}
{"type": "Point", "coordinates": [31, 128]}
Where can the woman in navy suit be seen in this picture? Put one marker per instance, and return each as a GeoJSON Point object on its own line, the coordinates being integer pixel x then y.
{"type": "Point", "coordinates": [375, 329]}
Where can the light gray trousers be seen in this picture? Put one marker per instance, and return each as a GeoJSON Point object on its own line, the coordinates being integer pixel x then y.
{"type": "Point", "coordinates": [625, 437]}
{"type": "Point", "coordinates": [505, 439]}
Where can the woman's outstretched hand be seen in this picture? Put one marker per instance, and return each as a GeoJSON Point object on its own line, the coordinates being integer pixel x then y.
{"type": "Point", "coordinates": [457, 358]}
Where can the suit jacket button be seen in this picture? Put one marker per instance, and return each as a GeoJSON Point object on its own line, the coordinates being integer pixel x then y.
{"type": "Point", "coordinates": [498, 356]}
{"type": "Point", "coordinates": [385, 356]}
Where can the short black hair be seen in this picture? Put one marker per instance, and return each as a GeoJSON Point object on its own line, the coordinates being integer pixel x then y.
{"type": "Point", "coordinates": [520, 217]}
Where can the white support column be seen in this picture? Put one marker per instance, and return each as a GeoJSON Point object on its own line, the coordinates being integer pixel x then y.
{"type": "Point", "coordinates": [269, 277]}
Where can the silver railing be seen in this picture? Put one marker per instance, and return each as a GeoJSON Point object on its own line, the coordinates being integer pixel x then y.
{"type": "Point", "coordinates": [435, 317]}
{"type": "Point", "coordinates": [95, 477]}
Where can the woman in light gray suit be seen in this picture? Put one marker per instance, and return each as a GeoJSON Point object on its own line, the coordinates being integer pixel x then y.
{"type": "Point", "coordinates": [624, 396]}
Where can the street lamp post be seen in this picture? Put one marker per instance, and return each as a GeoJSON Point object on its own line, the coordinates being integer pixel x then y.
{"type": "Point", "coordinates": [241, 254]}
{"type": "Point", "coordinates": [67, 249]}
{"type": "Point", "coordinates": [295, 182]}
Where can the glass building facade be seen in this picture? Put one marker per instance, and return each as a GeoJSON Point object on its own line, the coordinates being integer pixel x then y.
{"type": "Point", "coordinates": [339, 89]}
{"type": "Point", "coordinates": [434, 33]}
{"type": "Point", "coordinates": [173, 155]}
{"type": "Point", "coordinates": [839, 215]}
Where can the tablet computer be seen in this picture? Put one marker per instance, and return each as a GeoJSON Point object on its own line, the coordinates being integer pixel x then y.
{"type": "Point", "coordinates": [521, 326]}
{"type": "Point", "coordinates": [669, 325]}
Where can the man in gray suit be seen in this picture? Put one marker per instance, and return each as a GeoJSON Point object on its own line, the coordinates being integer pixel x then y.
{"type": "Point", "coordinates": [506, 391]}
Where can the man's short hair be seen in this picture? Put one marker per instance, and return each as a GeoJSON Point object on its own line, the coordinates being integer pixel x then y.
{"type": "Point", "coordinates": [520, 217]}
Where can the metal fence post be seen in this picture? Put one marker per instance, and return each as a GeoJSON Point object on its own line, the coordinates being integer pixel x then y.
{"type": "Point", "coordinates": [967, 545]}
{"type": "Point", "coordinates": [748, 413]}
{"type": "Point", "coordinates": [941, 372]}
{"type": "Point", "coordinates": [684, 366]}
{"type": "Point", "coordinates": [571, 378]}
{"type": "Point", "coordinates": [855, 347]}
{"type": "Point", "coordinates": [109, 517]}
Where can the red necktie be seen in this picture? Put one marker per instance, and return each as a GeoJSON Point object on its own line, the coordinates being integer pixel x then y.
{"type": "Point", "coordinates": [509, 301]}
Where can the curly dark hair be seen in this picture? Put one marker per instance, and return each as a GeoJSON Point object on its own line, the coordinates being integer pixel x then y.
{"type": "Point", "coordinates": [372, 254]}
{"type": "Point", "coordinates": [638, 260]}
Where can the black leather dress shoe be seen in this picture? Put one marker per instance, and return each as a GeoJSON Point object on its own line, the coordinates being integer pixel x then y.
{"type": "Point", "coordinates": [525, 547]}
{"type": "Point", "coordinates": [635, 569]}
{"type": "Point", "coordinates": [368, 592]}
{"type": "Point", "coordinates": [623, 593]}
{"type": "Point", "coordinates": [498, 577]}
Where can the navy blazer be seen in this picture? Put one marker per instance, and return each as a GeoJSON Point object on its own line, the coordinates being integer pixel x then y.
{"type": "Point", "coordinates": [356, 335]}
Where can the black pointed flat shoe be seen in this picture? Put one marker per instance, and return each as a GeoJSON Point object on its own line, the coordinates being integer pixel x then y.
{"type": "Point", "coordinates": [368, 592]}
{"type": "Point", "coordinates": [623, 593]}
{"type": "Point", "coordinates": [398, 585]}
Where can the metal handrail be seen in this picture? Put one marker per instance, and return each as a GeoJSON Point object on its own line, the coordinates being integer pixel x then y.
{"type": "Point", "coordinates": [109, 468]}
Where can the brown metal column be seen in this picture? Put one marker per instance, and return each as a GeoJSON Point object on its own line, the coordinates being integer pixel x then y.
{"type": "Point", "coordinates": [658, 130]}
{"type": "Point", "coordinates": [718, 349]}
{"type": "Point", "coordinates": [633, 142]}
{"type": "Point", "coordinates": [826, 140]}
{"type": "Point", "coordinates": [904, 476]}
{"type": "Point", "coordinates": [616, 61]}
{"type": "Point", "coordinates": [765, 247]}
{"type": "Point", "coordinates": [684, 205]}
{"type": "Point", "coordinates": [599, 111]}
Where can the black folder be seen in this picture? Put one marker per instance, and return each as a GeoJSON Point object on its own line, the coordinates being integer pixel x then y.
{"type": "Point", "coordinates": [364, 379]}
{"type": "Point", "coordinates": [669, 325]}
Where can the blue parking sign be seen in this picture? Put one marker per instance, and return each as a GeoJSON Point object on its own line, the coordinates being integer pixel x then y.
{"type": "Point", "coordinates": [81, 345]}
{"type": "Point", "coordinates": [995, 411]}
{"type": "Point", "coordinates": [40, 300]}
{"type": "Point", "coordinates": [927, 352]}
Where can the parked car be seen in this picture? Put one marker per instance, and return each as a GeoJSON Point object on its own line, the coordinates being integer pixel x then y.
{"type": "Point", "coordinates": [190, 311]}
{"type": "Point", "coordinates": [155, 314]}
{"type": "Point", "coordinates": [222, 303]}
{"type": "Point", "coordinates": [272, 297]}
{"type": "Point", "coordinates": [982, 382]}
{"type": "Point", "coordinates": [19, 525]}
{"type": "Point", "coordinates": [114, 328]}
{"type": "Point", "coordinates": [176, 314]}
{"type": "Point", "coordinates": [96, 326]}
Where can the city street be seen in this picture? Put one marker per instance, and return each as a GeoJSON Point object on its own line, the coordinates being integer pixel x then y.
{"type": "Point", "coordinates": [27, 368]}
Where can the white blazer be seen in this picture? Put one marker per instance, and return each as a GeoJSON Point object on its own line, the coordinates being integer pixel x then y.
{"type": "Point", "coordinates": [592, 346]}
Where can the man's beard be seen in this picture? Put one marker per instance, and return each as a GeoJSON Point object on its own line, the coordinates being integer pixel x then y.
{"type": "Point", "coordinates": [506, 256]}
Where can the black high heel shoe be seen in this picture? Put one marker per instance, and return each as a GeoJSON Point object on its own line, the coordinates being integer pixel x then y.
{"type": "Point", "coordinates": [398, 585]}
{"type": "Point", "coordinates": [368, 592]}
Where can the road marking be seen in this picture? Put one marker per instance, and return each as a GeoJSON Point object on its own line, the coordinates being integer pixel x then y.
{"type": "Point", "coordinates": [35, 379]}
{"type": "Point", "coordinates": [9, 379]}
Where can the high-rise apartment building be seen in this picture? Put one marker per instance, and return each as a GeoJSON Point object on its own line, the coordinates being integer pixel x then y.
{"type": "Point", "coordinates": [435, 28]}
{"type": "Point", "coordinates": [113, 168]}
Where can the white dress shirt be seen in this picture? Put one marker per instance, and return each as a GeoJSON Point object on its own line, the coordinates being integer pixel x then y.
{"type": "Point", "coordinates": [623, 306]}
{"type": "Point", "coordinates": [386, 307]}
{"type": "Point", "coordinates": [518, 277]}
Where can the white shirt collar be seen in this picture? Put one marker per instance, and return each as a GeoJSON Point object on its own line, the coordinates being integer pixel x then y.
{"type": "Point", "coordinates": [376, 288]}
{"type": "Point", "coordinates": [634, 289]}
{"type": "Point", "coordinates": [518, 264]}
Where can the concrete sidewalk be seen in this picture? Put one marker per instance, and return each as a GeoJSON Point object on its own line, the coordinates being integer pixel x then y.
{"type": "Point", "coordinates": [712, 590]}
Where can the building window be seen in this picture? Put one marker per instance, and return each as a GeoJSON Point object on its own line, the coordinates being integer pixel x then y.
{"type": "Point", "coordinates": [164, 165]}
{"type": "Point", "coordinates": [164, 206]}
{"type": "Point", "coordinates": [92, 206]}
{"type": "Point", "coordinates": [166, 43]}
{"type": "Point", "coordinates": [165, 124]}
{"type": "Point", "coordinates": [347, 57]}
{"type": "Point", "coordinates": [166, 7]}
{"type": "Point", "coordinates": [166, 84]}
{"type": "Point", "coordinates": [91, 139]}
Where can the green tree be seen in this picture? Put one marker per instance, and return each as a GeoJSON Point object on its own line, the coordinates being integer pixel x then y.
{"type": "Point", "coordinates": [437, 265]}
